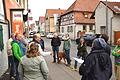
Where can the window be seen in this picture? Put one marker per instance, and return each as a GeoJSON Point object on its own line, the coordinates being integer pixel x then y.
{"type": "Point", "coordinates": [85, 14]}
{"type": "Point", "coordinates": [91, 27]}
{"type": "Point", "coordinates": [102, 29]}
{"type": "Point", "coordinates": [62, 29]}
{"type": "Point", "coordinates": [84, 27]}
{"type": "Point", "coordinates": [70, 29]}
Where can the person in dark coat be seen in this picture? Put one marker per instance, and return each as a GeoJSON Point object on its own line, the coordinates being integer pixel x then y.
{"type": "Point", "coordinates": [97, 65]}
{"type": "Point", "coordinates": [55, 43]}
{"type": "Point", "coordinates": [108, 48]}
{"type": "Point", "coordinates": [82, 51]}
{"type": "Point", "coordinates": [42, 44]}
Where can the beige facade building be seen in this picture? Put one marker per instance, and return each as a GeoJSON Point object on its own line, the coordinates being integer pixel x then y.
{"type": "Point", "coordinates": [50, 19]}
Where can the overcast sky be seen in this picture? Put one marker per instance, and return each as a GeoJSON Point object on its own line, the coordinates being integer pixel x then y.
{"type": "Point", "coordinates": [38, 7]}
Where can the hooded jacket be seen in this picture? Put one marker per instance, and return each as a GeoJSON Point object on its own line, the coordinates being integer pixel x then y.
{"type": "Point", "coordinates": [97, 65]}
{"type": "Point", "coordinates": [17, 53]}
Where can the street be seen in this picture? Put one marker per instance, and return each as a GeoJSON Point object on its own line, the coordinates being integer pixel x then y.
{"type": "Point", "coordinates": [61, 71]}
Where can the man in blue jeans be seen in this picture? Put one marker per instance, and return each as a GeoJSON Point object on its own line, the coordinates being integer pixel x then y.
{"type": "Point", "coordinates": [55, 43]}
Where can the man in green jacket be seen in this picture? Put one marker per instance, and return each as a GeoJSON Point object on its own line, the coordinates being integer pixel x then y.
{"type": "Point", "coordinates": [116, 53]}
{"type": "Point", "coordinates": [17, 53]}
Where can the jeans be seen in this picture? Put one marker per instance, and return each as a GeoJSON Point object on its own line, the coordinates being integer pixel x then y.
{"type": "Point", "coordinates": [11, 65]}
{"type": "Point", "coordinates": [16, 67]}
{"type": "Point", "coordinates": [55, 52]}
{"type": "Point", "coordinates": [67, 52]}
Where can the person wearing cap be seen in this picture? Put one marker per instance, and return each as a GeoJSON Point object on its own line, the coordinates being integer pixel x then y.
{"type": "Point", "coordinates": [97, 65]}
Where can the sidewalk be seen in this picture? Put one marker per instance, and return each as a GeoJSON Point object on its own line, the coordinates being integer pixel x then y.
{"type": "Point", "coordinates": [5, 76]}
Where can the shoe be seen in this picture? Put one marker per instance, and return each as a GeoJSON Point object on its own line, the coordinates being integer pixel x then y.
{"type": "Point", "coordinates": [53, 62]}
{"type": "Point", "coordinates": [68, 65]}
{"type": "Point", "coordinates": [74, 69]}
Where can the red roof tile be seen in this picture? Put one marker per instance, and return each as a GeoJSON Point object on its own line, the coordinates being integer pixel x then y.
{"type": "Point", "coordinates": [114, 6]}
{"type": "Point", "coordinates": [50, 12]}
{"type": "Point", "coordinates": [86, 5]}
{"type": "Point", "coordinates": [80, 19]}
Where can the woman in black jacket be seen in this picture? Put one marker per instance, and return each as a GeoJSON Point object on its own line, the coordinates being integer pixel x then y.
{"type": "Point", "coordinates": [97, 65]}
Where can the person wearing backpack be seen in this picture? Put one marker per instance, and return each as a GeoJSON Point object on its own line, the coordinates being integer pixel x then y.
{"type": "Point", "coordinates": [97, 65]}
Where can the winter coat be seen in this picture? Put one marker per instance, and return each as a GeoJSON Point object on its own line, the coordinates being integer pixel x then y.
{"type": "Point", "coordinates": [55, 42]}
{"type": "Point", "coordinates": [81, 50]}
{"type": "Point", "coordinates": [42, 44]}
{"type": "Point", "coordinates": [108, 49]}
{"type": "Point", "coordinates": [66, 44]}
{"type": "Point", "coordinates": [17, 53]}
{"type": "Point", "coordinates": [117, 55]}
{"type": "Point", "coordinates": [34, 68]}
{"type": "Point", "coordinates": [97, 65]}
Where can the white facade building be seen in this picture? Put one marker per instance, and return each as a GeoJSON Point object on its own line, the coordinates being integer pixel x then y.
{"type": "Point", "coordinates": [113, 20]}
{"type": "Point", "coordinates": [3, 39]}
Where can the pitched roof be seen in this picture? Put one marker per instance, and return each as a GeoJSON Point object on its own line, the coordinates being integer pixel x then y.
{"type": "Point", "coordinates": [86, 5]}
{"type": "Point", "coordinates": [50, 12]}
{"type": "Point", "coordinates": [114, 6]}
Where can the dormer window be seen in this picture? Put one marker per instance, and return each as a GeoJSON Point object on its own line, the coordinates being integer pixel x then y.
{"type": "Point", "coordinates": [85, 14]}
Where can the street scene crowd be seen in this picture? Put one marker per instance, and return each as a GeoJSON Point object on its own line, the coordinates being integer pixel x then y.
{"type": "Point", "coordinates": [26, 58]}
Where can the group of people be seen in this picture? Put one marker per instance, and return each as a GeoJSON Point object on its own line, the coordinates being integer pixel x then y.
{"type": "Point", "coordinates": [97, 64]}
{"type": "Point", "coordinates": [26, 61]}
{"type": "Point", "coordinates": [56, 42]}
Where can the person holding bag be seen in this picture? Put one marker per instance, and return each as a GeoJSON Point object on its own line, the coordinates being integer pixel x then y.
{"type": "Point", "coordinates": [33, 66]}
{"type": "Point", "coordinates": [97, 65]}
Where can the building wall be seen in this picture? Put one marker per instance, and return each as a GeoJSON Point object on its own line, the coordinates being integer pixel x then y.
{"type": "Point", "coordinates": [52, 27]}
{"type": "Point", "coordinates": [3, 53]}
{"type": "Point", "coordinates": [100, 20]}
{"type": "Point", "coordinates": [115, 25]}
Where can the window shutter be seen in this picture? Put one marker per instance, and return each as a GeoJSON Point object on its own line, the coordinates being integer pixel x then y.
{"type": "Point", "coordinates": [1, 38]}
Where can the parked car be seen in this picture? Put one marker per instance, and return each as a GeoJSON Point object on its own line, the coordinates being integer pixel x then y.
{"type": "Point", "coordinates": [89, 38]}
{"type": "Point", "coordinates": [31, 34]}
{"type": "Point", "coordinates": [50, 35]}
{"type": "Point", "coordinates": [42, 34]}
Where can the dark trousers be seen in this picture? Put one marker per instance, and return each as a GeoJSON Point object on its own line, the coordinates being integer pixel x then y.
{"type": "Point", "coordinates": [11, 65]}
{"type": "Point", "coordinates": [67, 52]}
{"type": "Point", "coordinates": [16, 68]}
{"type": "Point", "coordinates": [55, 53]}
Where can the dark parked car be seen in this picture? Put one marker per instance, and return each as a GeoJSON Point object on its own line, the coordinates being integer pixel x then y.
{"type": "Point", "coordinates": [89, 39]}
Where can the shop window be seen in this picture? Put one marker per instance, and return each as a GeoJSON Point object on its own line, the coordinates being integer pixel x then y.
{"type": "Point", "coordinates": [1, 38]}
